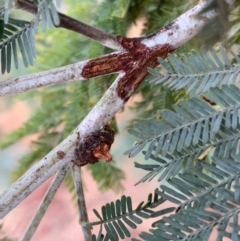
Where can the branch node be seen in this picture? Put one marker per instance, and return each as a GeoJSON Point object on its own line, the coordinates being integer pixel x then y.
{"type": "Point", "coordinates": [128, 43]}
{"type": "Point", "coordinates": [95, 146]}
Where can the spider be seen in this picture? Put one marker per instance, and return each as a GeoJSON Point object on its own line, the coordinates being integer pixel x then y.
{"type": "Point", "coordinates": [95, 146]}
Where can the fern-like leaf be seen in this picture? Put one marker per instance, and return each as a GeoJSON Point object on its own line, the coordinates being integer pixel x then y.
{"type": "Point", "coordinates": [170, 165]}
{"type": "Point", "coordinates": [16, 35]}
{"type": "Point", "coordinates": [201, 72]}
{"type": "Point", "coordinates": [7, 9]}
{"type": "Point", "coordinates": [194, 122]}
{"type": "Point", "coordinates": [206, 196]}
{"type": "Point", "coordinates": [119, 216]}
{"type": "Point", "coordinates": [47, 14]}
{"type": "Point", "coordinates": [167, 167]}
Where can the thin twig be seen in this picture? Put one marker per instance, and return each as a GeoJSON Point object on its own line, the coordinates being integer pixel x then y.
{"type": "Point", "coordinates": [106, 39]}
{"type": "Point", "coordinates": [60, 75]}
{"type": "Point", "coordinates": [83, 215]}
{"type": "Point", "coordinates": [45, 203]}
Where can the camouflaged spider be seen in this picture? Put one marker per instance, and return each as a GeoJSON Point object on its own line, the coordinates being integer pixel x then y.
{"type": "Point", "coordinates": [95, 146]}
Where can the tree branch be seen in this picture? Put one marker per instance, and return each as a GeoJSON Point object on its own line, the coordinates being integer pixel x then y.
{"type": "Point", "coordinates": [55, 76]}
{"type": "Point", "coordinates": [189, 24]}
{"type": "Point", "coordinates": [83, 216]}
{"type": "Point", "coordinates": [140, 53]}
{"type": "Point", "coordinates": [145, 55]}
{"type": "Point", "coordinates": [62, 154]}
{"type": "Point", "coordinates": [106, 39]}
{"type": "Point", "coordinates": [33, 178]}
{"type": "Point", "coordinates": [45, 203]}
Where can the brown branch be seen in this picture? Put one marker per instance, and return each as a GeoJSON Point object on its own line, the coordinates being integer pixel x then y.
{"type": "Point", "coordinates": [133, 63]}
{"type": "Point", "coordinates": [108, 40]}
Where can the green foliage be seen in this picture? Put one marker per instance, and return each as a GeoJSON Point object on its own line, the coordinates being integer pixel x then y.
{"type": "Point", "coordinates": [198, 71]}
{"type": "Point", "coordinates": [121, 7]}
{"type": "Point", "coordinates": [206, 191]}
{"type": "Point", "coordinates": [18, 34]}
{"type": "Point", "coordinates": [206, 196]}
{"type": "Point", "coordinates": [108, 176]}
{"type": "Point", "coordinates": [113, 16]}
{"type": "Point", "coordinates": [119, 216]}
{"type": "Point", "coordinates": [6, 10]}
{"type": "Point", "coordinates": [193, 123]}
{"type": "Point", "coordinates": [154, 98]}
{"type": "Point", "coordinates": [47, 14]}
{"type": "Point", "coordinates": [234, 22]}
{"type": "Point", "coordinates": [156, 13]}
{"type": "Point", "coordinates": [195, 150]}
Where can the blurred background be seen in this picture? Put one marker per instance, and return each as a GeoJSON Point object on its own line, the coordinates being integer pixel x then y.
{"type": "Point", "coordinates": [33, 123]}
